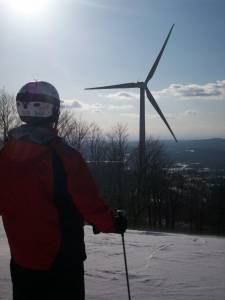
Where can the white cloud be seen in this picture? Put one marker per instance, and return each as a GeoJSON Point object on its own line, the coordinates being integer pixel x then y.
{"type": "Point", "coordinates": [81, 106]}
{"type": "Point", "coordinates": [119, 107]}
{"type": "Point", "coordinates": [122, 96]}
{"type": "Point", "coordinates": [96, 107]}
{"type": "Point", "coordinates": [208, 91]}
{"type": "Point", "coordinates": [190, 112]}
{"type": "Point", "coordinates": [71, 104]}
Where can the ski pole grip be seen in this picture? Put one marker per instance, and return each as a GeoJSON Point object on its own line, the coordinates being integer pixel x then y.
{"type": "Point", "coordinates": [121, 212]}
{"type": "Point", "coordinates": [95, 229]}
{"type": "Point", "coordinates": [120, 221]}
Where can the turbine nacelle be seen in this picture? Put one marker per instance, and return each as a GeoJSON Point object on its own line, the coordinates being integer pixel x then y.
{"type": "Point", "coordinates": [140, 84]}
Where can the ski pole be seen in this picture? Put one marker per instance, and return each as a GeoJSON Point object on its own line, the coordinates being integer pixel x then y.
{"type": "Point", "coordinates": [126, 269]}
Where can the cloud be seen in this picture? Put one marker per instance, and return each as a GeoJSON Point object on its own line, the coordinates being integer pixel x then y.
{"type": "Point", "coordinates": [76, 104]}
{"type": "Point", "coordinates": [190, 112]}
{"type": "Point", "coordinates": [119, 107]}
{"type": "Point", "coordinates": [208, 91]}
{"type": "Point", "coordinates": [94, 108]}
{"type": "Point", "coordinates": [71, 104]}
{"type": "Point", "coordinates": [122, 96]}
{"type": "Point", "coordinates": [81, 106]}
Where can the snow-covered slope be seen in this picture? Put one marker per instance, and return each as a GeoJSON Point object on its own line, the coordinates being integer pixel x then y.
{"type": "Point", "coordinates": [161, 266]}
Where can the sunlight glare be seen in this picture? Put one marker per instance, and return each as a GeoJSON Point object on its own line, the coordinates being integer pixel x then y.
{"type": "Point", "coordinates": [27, 7]}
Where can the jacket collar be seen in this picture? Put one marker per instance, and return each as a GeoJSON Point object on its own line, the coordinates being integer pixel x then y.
{"type": "Point", "coordinates": [38, 135]}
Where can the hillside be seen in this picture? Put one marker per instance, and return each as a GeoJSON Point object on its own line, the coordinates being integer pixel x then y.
{"type": "Point", "coordinates": [208, 153]}
{"type": "Point", "coordinates": [162, 266]}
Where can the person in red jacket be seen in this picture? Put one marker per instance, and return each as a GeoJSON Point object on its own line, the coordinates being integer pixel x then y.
{"type": "Point", "coordinates": [47, 192]}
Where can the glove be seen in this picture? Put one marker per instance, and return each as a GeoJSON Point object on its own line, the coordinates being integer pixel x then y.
{"type": "Point", "coordinates": [120, 221]}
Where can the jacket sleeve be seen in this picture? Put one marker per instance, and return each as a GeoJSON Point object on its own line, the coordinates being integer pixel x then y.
{"type": "Point", "coordinates": [86, 196]}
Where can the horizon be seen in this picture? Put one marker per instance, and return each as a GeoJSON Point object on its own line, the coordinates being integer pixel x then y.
{"type": "Point", "coordinates": [80, 43]}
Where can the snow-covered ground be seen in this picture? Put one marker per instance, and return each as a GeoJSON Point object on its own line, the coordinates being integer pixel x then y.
{"type": "Point", "coordinates": [161, 266]}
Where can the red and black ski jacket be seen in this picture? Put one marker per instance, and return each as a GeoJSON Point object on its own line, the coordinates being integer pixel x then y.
{"type": "Point", "coordinates": [46, 191]}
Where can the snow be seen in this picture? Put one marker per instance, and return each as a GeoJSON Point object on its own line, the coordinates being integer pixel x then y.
{"type": "Point", "coordinates": [162, 266]}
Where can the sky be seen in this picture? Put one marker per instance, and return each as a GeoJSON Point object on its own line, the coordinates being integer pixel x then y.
{"type": "Point", "coordinates": [75, 44]}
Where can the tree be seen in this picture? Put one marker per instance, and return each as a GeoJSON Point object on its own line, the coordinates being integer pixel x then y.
{"type": "Point", "coordinates": [64, 126]}
{"type": "Point", "coordinates": [8, 115]}
{"type": "Point", "coordinates": [117, 145]}
{"type": "Point", "coordinates": [174, 204]}
{"type": "Point", "coordinates": [215, 206]}
{"type": "Point", "coordinates": [117, 141]}
{"type": "Point", "coordinates": [149, 182]}
{"type": "Point", "coordinates": [96, 144]}
{"type": "Point", "coordinates": [75, 131]}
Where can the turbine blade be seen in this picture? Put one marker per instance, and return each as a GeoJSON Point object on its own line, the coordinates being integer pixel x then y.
{"type": "Point", "coordinates": [155, 65]}
{"type": "Point", "coordinates": [155, 105]}
{"type": "Point", "coordinates": [116, 86]}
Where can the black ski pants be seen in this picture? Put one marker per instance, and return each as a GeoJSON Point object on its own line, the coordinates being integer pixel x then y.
{"type": "Point", "coordinates": [55, 284]}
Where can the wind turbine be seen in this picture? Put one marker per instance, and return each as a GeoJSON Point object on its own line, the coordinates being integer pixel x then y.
{"type": "Point", "coordinates": [143, 86]}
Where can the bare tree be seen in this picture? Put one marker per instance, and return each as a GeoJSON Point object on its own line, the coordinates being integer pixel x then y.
{"type": "Point", "coordinates": [8, 116]}
{"type": "Point", "coordinates": [117, 141]}
{"type": "Point", "coordinates": [149, 181]}
{"type": "Point", "coordinates": [96, 144]}
{"type": "Point", "coordinates": [65, 122]}
{"type": "Point", "coordinates": [75, 131]}
{"type": "Point", "coordinates": [195, 194]}
{"type": "Point", "coordinates": [117, 145]}
{"type": "Point", "coordinates": [79, 133]}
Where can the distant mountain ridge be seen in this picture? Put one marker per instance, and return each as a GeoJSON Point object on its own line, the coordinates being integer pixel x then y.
{"type": "Point", "coordinates": [208, 153]}
{"type": "Point", "coordinates": [205, 153]}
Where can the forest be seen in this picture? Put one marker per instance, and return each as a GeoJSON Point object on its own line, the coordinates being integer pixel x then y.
{"type": "Point", "coordinates": [154, 193]}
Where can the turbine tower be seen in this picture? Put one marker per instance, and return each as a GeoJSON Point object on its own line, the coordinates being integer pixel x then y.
{"type": "Point", "coordinates": [143, 86]}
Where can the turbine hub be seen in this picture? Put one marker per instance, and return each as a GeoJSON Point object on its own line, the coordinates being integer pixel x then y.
{"type": "Point", "coordinates": [141, 84]}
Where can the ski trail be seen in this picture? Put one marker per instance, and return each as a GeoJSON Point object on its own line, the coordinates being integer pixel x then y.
{"type": "Point", "coordinates": [157, 250]}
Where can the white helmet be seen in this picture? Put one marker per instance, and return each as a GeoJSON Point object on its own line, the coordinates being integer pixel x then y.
{"type": "Point", "coordinates": [38, 103]}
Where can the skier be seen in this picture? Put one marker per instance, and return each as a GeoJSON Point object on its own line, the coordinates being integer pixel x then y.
{"type": "Point", "coordinates": [46, 194]}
